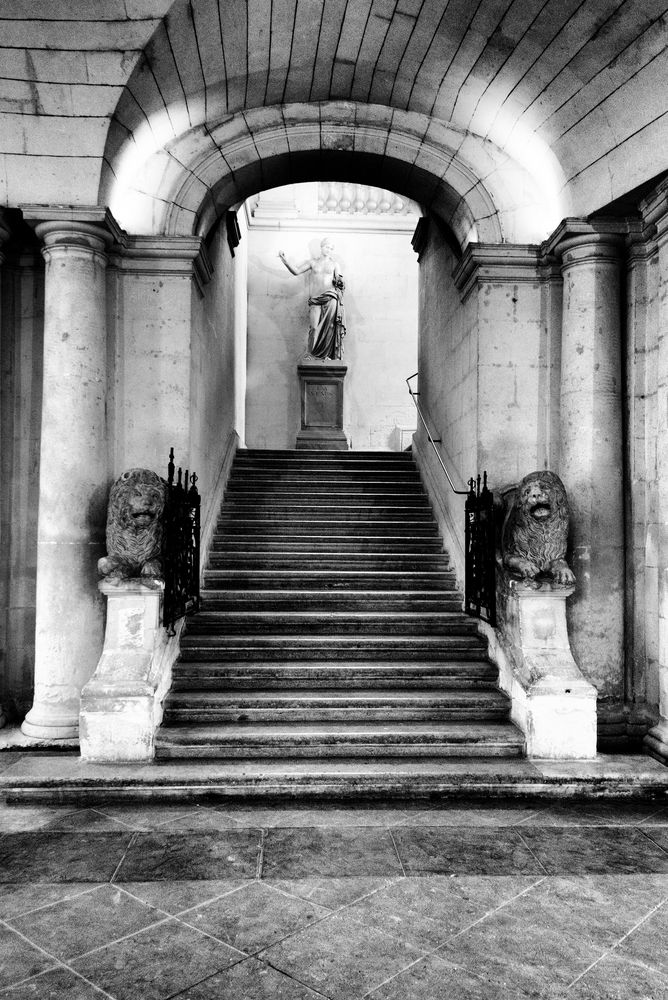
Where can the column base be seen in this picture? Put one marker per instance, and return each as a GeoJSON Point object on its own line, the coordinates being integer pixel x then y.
{"type": "Point", "coordinates": [656, 742]}
{"type": "Point", "coordinates": [41, 723]}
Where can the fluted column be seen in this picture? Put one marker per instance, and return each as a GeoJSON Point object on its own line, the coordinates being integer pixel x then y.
{"type": "Point", "coordinates": [591, 463]}
{"type": "Point", "coordinates": [73, 474]}
{"type": "Point", "coordinates": [4, 596]}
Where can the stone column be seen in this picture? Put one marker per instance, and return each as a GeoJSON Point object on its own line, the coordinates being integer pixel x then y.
{"type": "Point", "coordinates": [73, 474]}
{"type": "Point", "coordinates": [591, 464]}
{"type": "Point", "coordinates": [4, 522]}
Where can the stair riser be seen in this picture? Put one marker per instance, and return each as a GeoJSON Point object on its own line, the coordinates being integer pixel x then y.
{"type": "Point", "coordinates": [264, 601]}
{"type": "Point", "coordinates": [315, 653]}
{"type": "Point", "coordinates": [310, 715]}
{"type": "Point", "coordinates": [261, 580]}
{"type": "Point", "coordinates": [287, 529]}
{"type": "Point", "coordinates": [277, 628]}
{"type": "Point", "coordinates": [328, 750]}
{"type": "Point", "coordinates": [346, 561]}
{"type": "Point", "coordinates": [238, 682]}
{"type": "Point", "coordinates": [314, 544]}
{"type": "Point", "coordinates": [239, 490]}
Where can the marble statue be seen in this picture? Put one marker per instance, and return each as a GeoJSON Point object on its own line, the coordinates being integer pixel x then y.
{"type": "Point", "coordinates": [535, 529]}
{"type": "Point", "coordinates": [134, 527]}
{"type": "Point", "coordinates": [326, 316]}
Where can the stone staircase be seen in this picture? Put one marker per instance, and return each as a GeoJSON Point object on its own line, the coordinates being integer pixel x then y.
{"type": "Point", "coordinates": [331, 626]}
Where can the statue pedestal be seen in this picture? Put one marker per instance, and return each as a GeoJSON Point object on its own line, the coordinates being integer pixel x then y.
{"type": "Point", "coordinates": [321, 394]}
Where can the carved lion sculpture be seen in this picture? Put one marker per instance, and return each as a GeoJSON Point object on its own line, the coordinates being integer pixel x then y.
{"type": "Point", "coordinates": [134, 526]}
{"type": "Point", "coordinates": [535, 529]}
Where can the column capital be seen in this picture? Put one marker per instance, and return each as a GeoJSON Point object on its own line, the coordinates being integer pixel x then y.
{"type": "Point", "coordinates": [496, 262]}
{"type": "Point", "coordinates": [67, 226]}
{"type": "Point", "coordinates": [577, 240]}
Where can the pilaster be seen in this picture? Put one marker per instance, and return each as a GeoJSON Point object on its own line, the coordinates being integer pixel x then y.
{"type": "Point", "coordinates": [4, 518]}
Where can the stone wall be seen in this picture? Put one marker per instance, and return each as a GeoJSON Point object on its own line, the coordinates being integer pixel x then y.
{"type": "Point", "coordinates": [380, 272]}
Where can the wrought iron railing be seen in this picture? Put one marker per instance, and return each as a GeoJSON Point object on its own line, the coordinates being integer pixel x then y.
{"type": "Point", "coordinates": [180, 546]}
{"type": "Point", "coordinates": [479, 534]}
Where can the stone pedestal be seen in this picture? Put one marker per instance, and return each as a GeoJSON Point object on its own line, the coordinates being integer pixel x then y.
{"type": "Point", "coordinates": [121, 705]}
{"type": "Point", "coordinates": [74, 473]}
{"type": "Point", "coordinates": [591, 464]}
{"type": "Point", "coordinates": [321, 395]}
{"type": "Point", "coordinates": [552, 702]}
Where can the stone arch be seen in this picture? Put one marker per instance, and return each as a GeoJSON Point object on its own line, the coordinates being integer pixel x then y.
{"type": "Point", "coordinates": [185, 185]}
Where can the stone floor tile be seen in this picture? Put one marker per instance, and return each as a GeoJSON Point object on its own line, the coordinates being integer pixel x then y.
{"type": "Point", "coordinates": [202, 819]}
{"type": "Point", "coordinates": [647, 943]}
{"type": "Point", "coordinates": [513, 947]}
{"type": "Point", "coordinates": [480, 814]}
{"type": "Point", "coordinates": [197, 855]}
{"type": "Point", "coordinates": [257, 816]}
{"type": "Point", "coordinates": [425, 912]}
{"type": "Point", "coordinates": [355, 816]}
{"type": "Point", "coordinates": [25, 818]}
{"type": "Point", "coordinates": [464, 851]}
{"type": "Point", "coordinates": [658, 836]}
{"type": "Point", "coordinates": [155, 963]}
{"type": "Point", "coordinates": [173, 897]}
{"type": "Point", "coordinates": [595, 813]}
{"type": "Point", "coordinates": [16, 899]}
{"type": "Point", "coordinates": [332, 892]}
{"type": "Point", "coordinates": [7, 758]}
{"type": "Point", "coordinates": [147, 816]}
{"type": "Point", "coordinates": [77, 925]}
{"type": "Point", "coordinates": [334, 851]}
{"type": "Point", "coordinates": [57, 984]}
{"type": "Point", "coordinates": [341, 958]}
{"type": "Point", "coordinates": [254, 917]}
{"type": "Point", "coordinates": [433, 978]}
{"type": "Point", "coordinates": [19, 959]}
{"type": "Point", "coordinates": [590, 850]}
{"type": "Point", "coordinates": [249, 980]}
{"type": "Point", "coordinates": [659, 818]}
{"type": "Point", "coordinates": [617, 977]}
{"type": "Point", "coordinates": [61, 856]}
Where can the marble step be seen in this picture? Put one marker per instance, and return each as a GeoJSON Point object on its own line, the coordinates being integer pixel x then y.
{"type": "Point", "coordinates": [312, 579]}
{"type": "Point", "coordinates": [286, 649]}
{"type": "Point", "coordinates": [338, 623]}
{"type": "Point", "coordinates": [444, 739]}
{"type": "Point", "coordinates": [326, 474]}
{"type": "Point", "coordinates": [301, 544]}
{"type": "Point", "coordinates": [271, 675]}
{"type": "Point", "coordinates": [326, 600]}
{"type": "Point", "coordinates": [320, 526]}
{"type": "Point", "coordinates": [323, 454]}
{"type": "Point", "coordinates": [325, 513]}
{"type": "Point", "coordinates": [367, 561]}
{"type": "Point", "coordinates": [239, 488]}
{"type": "Point", "coordinates": [350, 461]}
{"type": "Point", "coordinates": [58, 778]}
{"type": "Point", "coordinates": [425, 704]}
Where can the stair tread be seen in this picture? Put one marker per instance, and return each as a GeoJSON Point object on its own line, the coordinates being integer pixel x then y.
{"type": "Point", "coordinates": [421, 695]}
{"type": "Point", "coordinates": [477, 731]}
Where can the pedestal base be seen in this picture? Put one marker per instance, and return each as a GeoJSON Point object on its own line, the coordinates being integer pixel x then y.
{"type": "Point", "coordinates": [321, 394]}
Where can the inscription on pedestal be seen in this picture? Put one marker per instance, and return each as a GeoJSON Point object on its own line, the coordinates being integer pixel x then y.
{"type": "Point", "coordinates": [321, 392]}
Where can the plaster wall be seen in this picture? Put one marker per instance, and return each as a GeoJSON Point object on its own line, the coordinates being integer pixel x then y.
{"type": "Point", "coordinates": [21, 346]}
{"type": "Point", "coordinates": [380, 272]}
{"type": "Point", "coordinates": [214, 373]}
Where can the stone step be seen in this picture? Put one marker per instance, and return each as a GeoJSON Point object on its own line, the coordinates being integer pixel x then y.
{"type": "Point", "coordinates": [296, 514]}
{"type": "Point", "coordinates": [326, 600]}
{"type": "Point", "coordinates": [338, 623]}
{"type": "Point", "coordinates": [59, 778]}
{"type": "Point", "coordinates": [324, 474]}
{"type": "Point", "coordinates": [270, 579]}
{"type": "Point", "coordinates": [443, 739]}
{"type": "Point", "coordinates": [324, 459]}
{"type": "Point", "coordinates": [322, 454]}
{"type": "Point", "coordinates": [367, 561]}
{"type": "Point", "coordinates": [304, 526]}
{"type": "Point", "coordinates": [346, 648]}
{"type": "Point", "coordinates": [302, 544]}
{"type": "Point", "coordinates": [239, 488]}
{"type": "Point", "coordinates": [327, 503]}
{"type": "Point", "coordinates": [268, 675]}
{"type": "Point", "coordinates": [432, 704]}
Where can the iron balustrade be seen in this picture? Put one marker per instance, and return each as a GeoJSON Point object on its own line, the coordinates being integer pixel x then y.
{"type": "Point", "coordinates": [180, 546]}
{"type": "Point", "coordinates": [479, 533]}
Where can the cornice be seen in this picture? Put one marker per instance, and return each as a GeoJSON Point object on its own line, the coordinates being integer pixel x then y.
{"type": "Point", "coordinates": [498, 262]}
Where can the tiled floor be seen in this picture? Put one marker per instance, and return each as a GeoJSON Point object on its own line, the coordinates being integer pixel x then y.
{"type": "Point", "coordinates": [507, 899]}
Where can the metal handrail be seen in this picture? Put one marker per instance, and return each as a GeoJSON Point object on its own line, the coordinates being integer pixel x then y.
{"type": "Point", "coordinates": [433, 441]}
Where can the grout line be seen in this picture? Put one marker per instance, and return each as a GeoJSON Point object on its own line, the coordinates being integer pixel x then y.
{"type": "Point", "coordinates": [58, 963]}
{"type": "Point", "coordinates": [205, 902]}
{"type": "Point", "coordinates": [125, 854]}
{"type": "Point", "coordinates": [616, 945]}
{"type": "Point", "coordinates": [531, 852]}
{"type": "Point", "coordinates": [396, 851]}
{"type": "Point", "coordinates": [651, 839]}
{"type": "Point", "coordinates": [55, 902]}
{"type": "Point", "coordinates": [260, 854]}
{"type": "Point", "coordinates": [289, 975]}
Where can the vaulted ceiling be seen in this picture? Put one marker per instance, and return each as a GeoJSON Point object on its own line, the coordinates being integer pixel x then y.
{"type": "Point", "coordinates": [501, 115]}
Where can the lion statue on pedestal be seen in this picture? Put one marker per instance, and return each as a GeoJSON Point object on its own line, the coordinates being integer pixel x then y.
{"type": "Point", "coordinates": [535, 529]}
{"type": "Point", "coordinates": [134, 527]}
